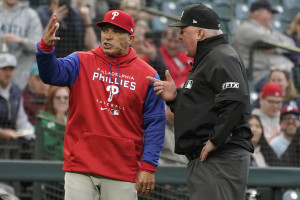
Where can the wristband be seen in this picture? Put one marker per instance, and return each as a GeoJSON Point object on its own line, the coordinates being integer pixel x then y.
{"type": "Point", "coordinates": [45, 47]}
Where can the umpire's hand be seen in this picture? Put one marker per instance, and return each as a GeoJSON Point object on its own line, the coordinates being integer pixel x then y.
{"type": "Point", "coordinates": [166, 90]}
{"type": "Point", "coordinates": [209, 147]}
{"type": "Point", "coordinates": [50, 30]}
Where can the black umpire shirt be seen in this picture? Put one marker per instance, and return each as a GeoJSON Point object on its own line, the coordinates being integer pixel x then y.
{"type": "Point", "coordinates": [214, 102]}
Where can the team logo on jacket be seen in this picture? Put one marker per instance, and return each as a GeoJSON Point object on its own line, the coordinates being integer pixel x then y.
{"type": "Point", "coordinates": [114, 112]}
{"type": "Point", "coordinates": [230, 85]}
{"type": "Point", "coordinates": [112, 89]}
{"type": "Point", "coordinates": [189, 84]}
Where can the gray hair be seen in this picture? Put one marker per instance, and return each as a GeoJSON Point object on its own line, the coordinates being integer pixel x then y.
{"type": "Point", "coordinates": [213, 32]}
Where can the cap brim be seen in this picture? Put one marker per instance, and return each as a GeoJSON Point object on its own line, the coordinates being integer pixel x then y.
{"type": "Point", "coordinates": [8, 66]}
{"type": "Point", "coordinates": [100, 23]}
{"type": "Point", "coordinates": [177, 24]}
{"type": "Point", "coordinates": [274, 11]}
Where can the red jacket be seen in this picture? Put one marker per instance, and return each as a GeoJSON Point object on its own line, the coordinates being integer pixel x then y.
{"type": "Point", "coordinates": [109, 113]}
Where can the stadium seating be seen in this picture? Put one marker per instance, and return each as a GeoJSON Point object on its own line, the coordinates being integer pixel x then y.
{"type": "Point", "coordinates": [275, 2]}
{"type": "Point", "coordinates": [171, 7]}
{"type": "Point", "coordinates": [241, 11]}
{"type": "Point", "coordinates": [288, 14]}
{"type": "Point", "coordinates": [240, 1]}
{"type": "Point", "coordinates": [227, 2]}
{"type": "Point", "coordinates": [225, 11]}
{"type": "Point", "coordinates": [291, 4]}
{"type": "Point", "coordinates": [249, 2]}
{"type": "Point", "coordinates": [280, 25]}
{"type": "Point", "coordinates": [158, 23]}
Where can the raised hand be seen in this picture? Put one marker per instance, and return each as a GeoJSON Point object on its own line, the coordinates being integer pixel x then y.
{"type": "Point", "coordinates": [166, 90]}
{"type": "Point", "coordinates": [50, 30]}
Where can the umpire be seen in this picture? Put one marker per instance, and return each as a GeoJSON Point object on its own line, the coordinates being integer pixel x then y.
{"type": "Point", "coordinates": [211, 110]}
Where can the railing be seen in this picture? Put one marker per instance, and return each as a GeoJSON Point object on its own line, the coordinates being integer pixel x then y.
{"type": "Point", "coordinates": [266, 44]}
{"type": "Point", "coordinates": [44, 173]}
{"type": "Point", "coordinates": [41, 170]}
{"type": "Point", "coordinates": [34, 170]}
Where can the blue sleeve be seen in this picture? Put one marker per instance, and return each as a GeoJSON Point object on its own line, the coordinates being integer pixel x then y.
{"type": "Point", "coordinates": [154, 124]}
{"type": "Point", "coordinates": [61, 71]}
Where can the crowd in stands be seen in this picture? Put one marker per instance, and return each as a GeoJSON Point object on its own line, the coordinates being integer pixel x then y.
{"type": "Point", "coordinates": [275, 118]}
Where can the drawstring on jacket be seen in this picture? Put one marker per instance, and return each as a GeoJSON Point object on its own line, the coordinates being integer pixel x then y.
{"type": "Point", "coordinates": [118, 79]}
{"type": "Point", "coordinates": [111, 90]}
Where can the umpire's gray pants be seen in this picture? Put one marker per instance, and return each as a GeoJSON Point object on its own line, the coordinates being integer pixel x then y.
{"type": "Point", "coordinates": [223, 176]}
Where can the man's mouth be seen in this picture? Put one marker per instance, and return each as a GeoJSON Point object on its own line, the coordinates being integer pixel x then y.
{"type": "Point", "coordinates": [107, 45]}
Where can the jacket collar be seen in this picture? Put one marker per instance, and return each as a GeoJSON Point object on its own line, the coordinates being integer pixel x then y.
{"type": "Point", "coordinates": [205, 46]}
{"type": "Point", "coordinates": [122, 60]}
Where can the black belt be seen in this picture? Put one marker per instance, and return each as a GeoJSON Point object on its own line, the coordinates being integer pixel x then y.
{"type": "Point", "coordinates": [193, 155]}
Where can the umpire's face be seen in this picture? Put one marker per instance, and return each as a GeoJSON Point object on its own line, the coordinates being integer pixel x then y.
{"type": "Point", "coordinates": [115, 40]}
{"type": "Point", "coordinates": [190, 35]}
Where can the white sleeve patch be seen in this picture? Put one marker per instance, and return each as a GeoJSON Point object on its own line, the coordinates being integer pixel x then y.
{"type": "Point", "coordinates": [230, 85]}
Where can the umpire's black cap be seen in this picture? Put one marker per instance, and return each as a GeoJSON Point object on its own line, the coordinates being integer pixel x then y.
{"type": "Point", "coordinates": [198, 15]}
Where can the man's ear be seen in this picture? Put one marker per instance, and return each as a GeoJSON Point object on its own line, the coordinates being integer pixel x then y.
{"type": "Point", "coordinates": [201, 34]}
{"type": "Point", "coordinates": [131, 38]}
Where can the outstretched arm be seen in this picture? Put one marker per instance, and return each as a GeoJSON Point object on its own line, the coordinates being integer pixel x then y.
{"type": "Point", "coordinates": [154, 134]}
{"type": "Point", "coordinates": [166, 90]}
{"type": "Point", "coordinates": [62, 71]}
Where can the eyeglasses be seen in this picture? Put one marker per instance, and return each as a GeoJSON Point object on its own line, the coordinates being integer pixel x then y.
{"type": "Point", "coordinates": [274, 102]}
{"type": "Point", "coordinates": [65, 98]}
{"type": "Point", "coordinates": [291, 116]}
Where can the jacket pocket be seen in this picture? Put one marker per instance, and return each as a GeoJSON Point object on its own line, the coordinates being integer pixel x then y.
{"type": "Point", "coordinates": [107, 156]}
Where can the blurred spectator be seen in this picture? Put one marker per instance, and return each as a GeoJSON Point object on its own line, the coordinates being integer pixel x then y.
{"type": "Point", "coordinates": [76, 30]}
{"type": "Point", "coordinates": [77, 4]}
{"type": "Point", "coordinates": [293, 31]}
{"type": "Point", "coordinates": [7, 192]}
{"type": "Point", "coordinates": [270, 100]}
{"type": "Point", "coordinates": [90, 37]}
{"type": "Point", "coordinates": [287, 145]}
{"type": "Point", "coordinates": [146, 49]}
{"type": "Point", "coordinates": [132, 7]}
{"type": "Point", "coordinates": [168, 156]}
{"type": "Point", "coordinates": [258, 28]}
{"type": "Point", "coordinates": [289, 91]}
{"type": "Point", "coordinates": [20, 31]}
{"type": "Point", "coordinates": [13, 119]}
{"type": "Point", "coordinates": [56, 111]}
{"type": "Point", "coordinates": [262, 150]}
{"type": "Point", "coordinates": [174, 56]}
{"type": "Point", "coordinates": [34, 94]}
{"type": "Point", "coordinates": [91, 12]}
{"type": "Point", "coordinates": [101, 7]}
